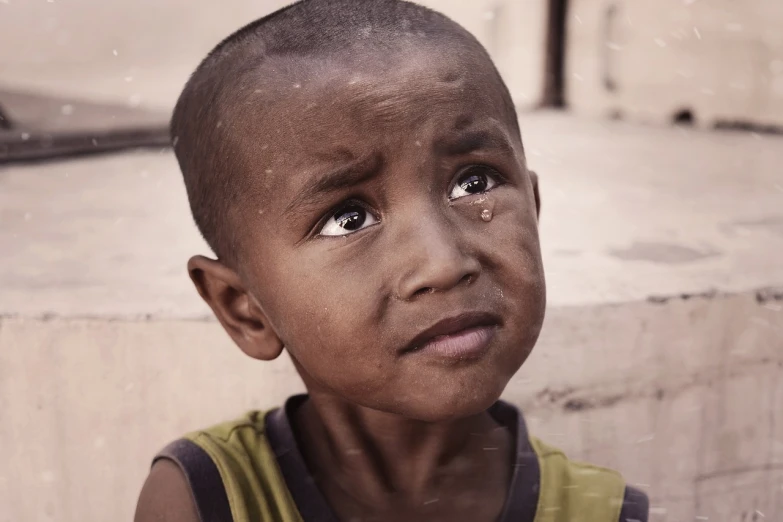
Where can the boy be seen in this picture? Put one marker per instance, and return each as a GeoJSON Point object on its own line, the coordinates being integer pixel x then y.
{"type": "Point", "coordinates": [357, 167]}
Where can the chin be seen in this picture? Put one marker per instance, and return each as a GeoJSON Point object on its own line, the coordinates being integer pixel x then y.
{"type": "Point", "coordinates": [452, 401]}
{"type": "Point", "coordinates": [462, 393]}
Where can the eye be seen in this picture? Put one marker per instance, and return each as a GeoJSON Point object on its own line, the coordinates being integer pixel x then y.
{"type": "Point", "coordinates": [474, 180]}
{"type": "Point", "coordinates": [348, 219]}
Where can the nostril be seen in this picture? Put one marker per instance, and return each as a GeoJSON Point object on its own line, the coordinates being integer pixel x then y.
{"type": "Point", "coordinates": [421, 291]}
{"type": "Point", "coordinates": [466, 279]}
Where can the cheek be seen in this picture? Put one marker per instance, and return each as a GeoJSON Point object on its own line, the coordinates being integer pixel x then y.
{"type": "Point", "coordinates": [505, 235]}
{"type": "Point", "coordinates": [518, 256]}
{"type": "Point", "coordinates": [324, 307]}
{"type": "Point", "coordinates": [316, 305]}
{"type": "Point", "coordinates": [502, 221]}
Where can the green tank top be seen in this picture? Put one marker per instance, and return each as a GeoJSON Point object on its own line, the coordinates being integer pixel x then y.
{"type": "Point", "coordinates": [250, 470]}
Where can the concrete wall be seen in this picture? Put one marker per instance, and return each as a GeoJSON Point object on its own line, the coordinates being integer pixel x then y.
{"type": "Point", "coordinates": [684, 397]}
{"type": "Point", "coordinates": [141, 51]}
{"type": "Point", "coordinates": [720, 59]}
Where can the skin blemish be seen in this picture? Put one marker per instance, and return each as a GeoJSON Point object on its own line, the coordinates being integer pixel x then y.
{"type": "Point", "coordinates": [486, 215]}
{"type": "Point", "coordinates": [463, 122]}
{"type": "Point", "coordinates": [451, 77]}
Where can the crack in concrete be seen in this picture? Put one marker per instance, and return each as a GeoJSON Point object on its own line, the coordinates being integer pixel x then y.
{"type": "Point", "coordinates": [589, 398]}
{"type": "Point", "coordinates": [762, 295]}
{"type": "Point", "coordinates": [768, 295]}
{"type": "Point", "coordinates": [47, 317]}
{"type": "Point", "coordinates": [707, 295]}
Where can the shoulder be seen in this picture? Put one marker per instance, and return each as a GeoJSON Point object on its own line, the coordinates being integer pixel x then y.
{"type": "Point", "coordinates": [166, 496]}
{"type": "Point", "coordinates": [192, 478]}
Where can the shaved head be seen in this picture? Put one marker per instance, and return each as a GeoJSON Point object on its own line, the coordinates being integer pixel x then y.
{"type": "Point", "coordinates": [228, 113]}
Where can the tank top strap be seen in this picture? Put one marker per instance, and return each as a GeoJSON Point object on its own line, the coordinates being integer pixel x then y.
{"type": "Point", "coordinates": [255, 487]}
{"type": "Point", "coordinates": [203, 478]}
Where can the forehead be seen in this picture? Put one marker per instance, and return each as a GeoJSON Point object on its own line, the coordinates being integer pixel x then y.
{"type": "Point", "coordinates": [361, 95]}
{"type": "Point", "coordinates": [307, 116]}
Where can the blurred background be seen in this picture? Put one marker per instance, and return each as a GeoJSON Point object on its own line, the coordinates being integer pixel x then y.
{"type": "Point", "coordinates": [656, 127]}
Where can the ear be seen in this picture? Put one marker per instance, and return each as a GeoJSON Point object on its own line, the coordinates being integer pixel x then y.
{"type": "Point", "coordinates": [237, 310]}
{"type": "Point", "coordinates": [536, 192]}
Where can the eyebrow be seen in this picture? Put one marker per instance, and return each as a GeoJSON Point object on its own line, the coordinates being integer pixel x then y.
{"type": "Point", "coordinates": [338, 179]}
{"type": "Point", "coordinates": [471, 141]}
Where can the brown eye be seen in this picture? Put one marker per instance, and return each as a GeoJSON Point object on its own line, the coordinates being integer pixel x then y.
{"type": "Point", "coordinates": [474, 180]}
{"type": "Point", "coordinates": [351, 218]}
{"type": "Point", "coordinates": [348, 219]}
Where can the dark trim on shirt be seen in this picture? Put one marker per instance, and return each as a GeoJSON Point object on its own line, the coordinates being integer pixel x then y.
{"type": "Point", "coordinates": [212, 502]}
{"type": "Point", "coordinates": [521, 501]}
{"type": "Point", "coordinates": [311, 504]}
{"type": "Point", "coordinates": [636, 506]}
{"type": "Point", "coordinates": [203, 477]}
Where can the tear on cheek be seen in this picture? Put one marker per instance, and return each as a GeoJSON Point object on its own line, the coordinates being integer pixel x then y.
{"type": "Point", "coordinates": [484, 207]}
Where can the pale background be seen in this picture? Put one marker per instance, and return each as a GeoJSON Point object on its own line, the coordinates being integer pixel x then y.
{"type": "Point", "coordinates": [662, 352]}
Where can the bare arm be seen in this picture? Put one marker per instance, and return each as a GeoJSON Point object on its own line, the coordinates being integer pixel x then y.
{"type": "Point", "coordinates": [166, 496]}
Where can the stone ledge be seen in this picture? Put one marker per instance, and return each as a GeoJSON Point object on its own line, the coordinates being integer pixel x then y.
{"type": "Point", "coordinates": [629, 213]}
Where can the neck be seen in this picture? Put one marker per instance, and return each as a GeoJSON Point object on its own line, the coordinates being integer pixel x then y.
{"type": "Point", "coordinates": [383, 458]}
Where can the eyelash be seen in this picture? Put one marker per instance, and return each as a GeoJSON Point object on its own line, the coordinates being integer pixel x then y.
{"type": "Point", "coordinates": [335, 211]}
{"type": "Point", "coordinates": [492, 172]}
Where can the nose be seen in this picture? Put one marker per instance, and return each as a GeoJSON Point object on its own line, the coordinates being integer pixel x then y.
{"type": "Point", "coordinates": [435, 259]}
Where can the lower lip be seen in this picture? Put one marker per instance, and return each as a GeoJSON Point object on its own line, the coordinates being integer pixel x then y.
{"type": "Point", "coordinates": [467, 344]}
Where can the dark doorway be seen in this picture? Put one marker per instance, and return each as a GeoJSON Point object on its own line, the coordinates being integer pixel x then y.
{"type": "Point", "coordinates": [554, 74]}
{"type": "Point", "coordinates": [683, 117]}
{"type": "Point", "coordinates": [5, 121]}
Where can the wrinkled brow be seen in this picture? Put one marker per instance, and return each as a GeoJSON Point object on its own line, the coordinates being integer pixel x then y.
{"type": "Point", "coordinates": [336, 179]}
{"type": "Point", "coordinates": [471, 141]}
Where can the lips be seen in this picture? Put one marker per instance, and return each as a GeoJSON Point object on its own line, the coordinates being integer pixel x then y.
{"type": "Point", "coordinates": [459, 336]}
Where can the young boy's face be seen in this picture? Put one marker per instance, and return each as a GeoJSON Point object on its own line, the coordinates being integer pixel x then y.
{"type": "Point", "coordinates": [391, 196]}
